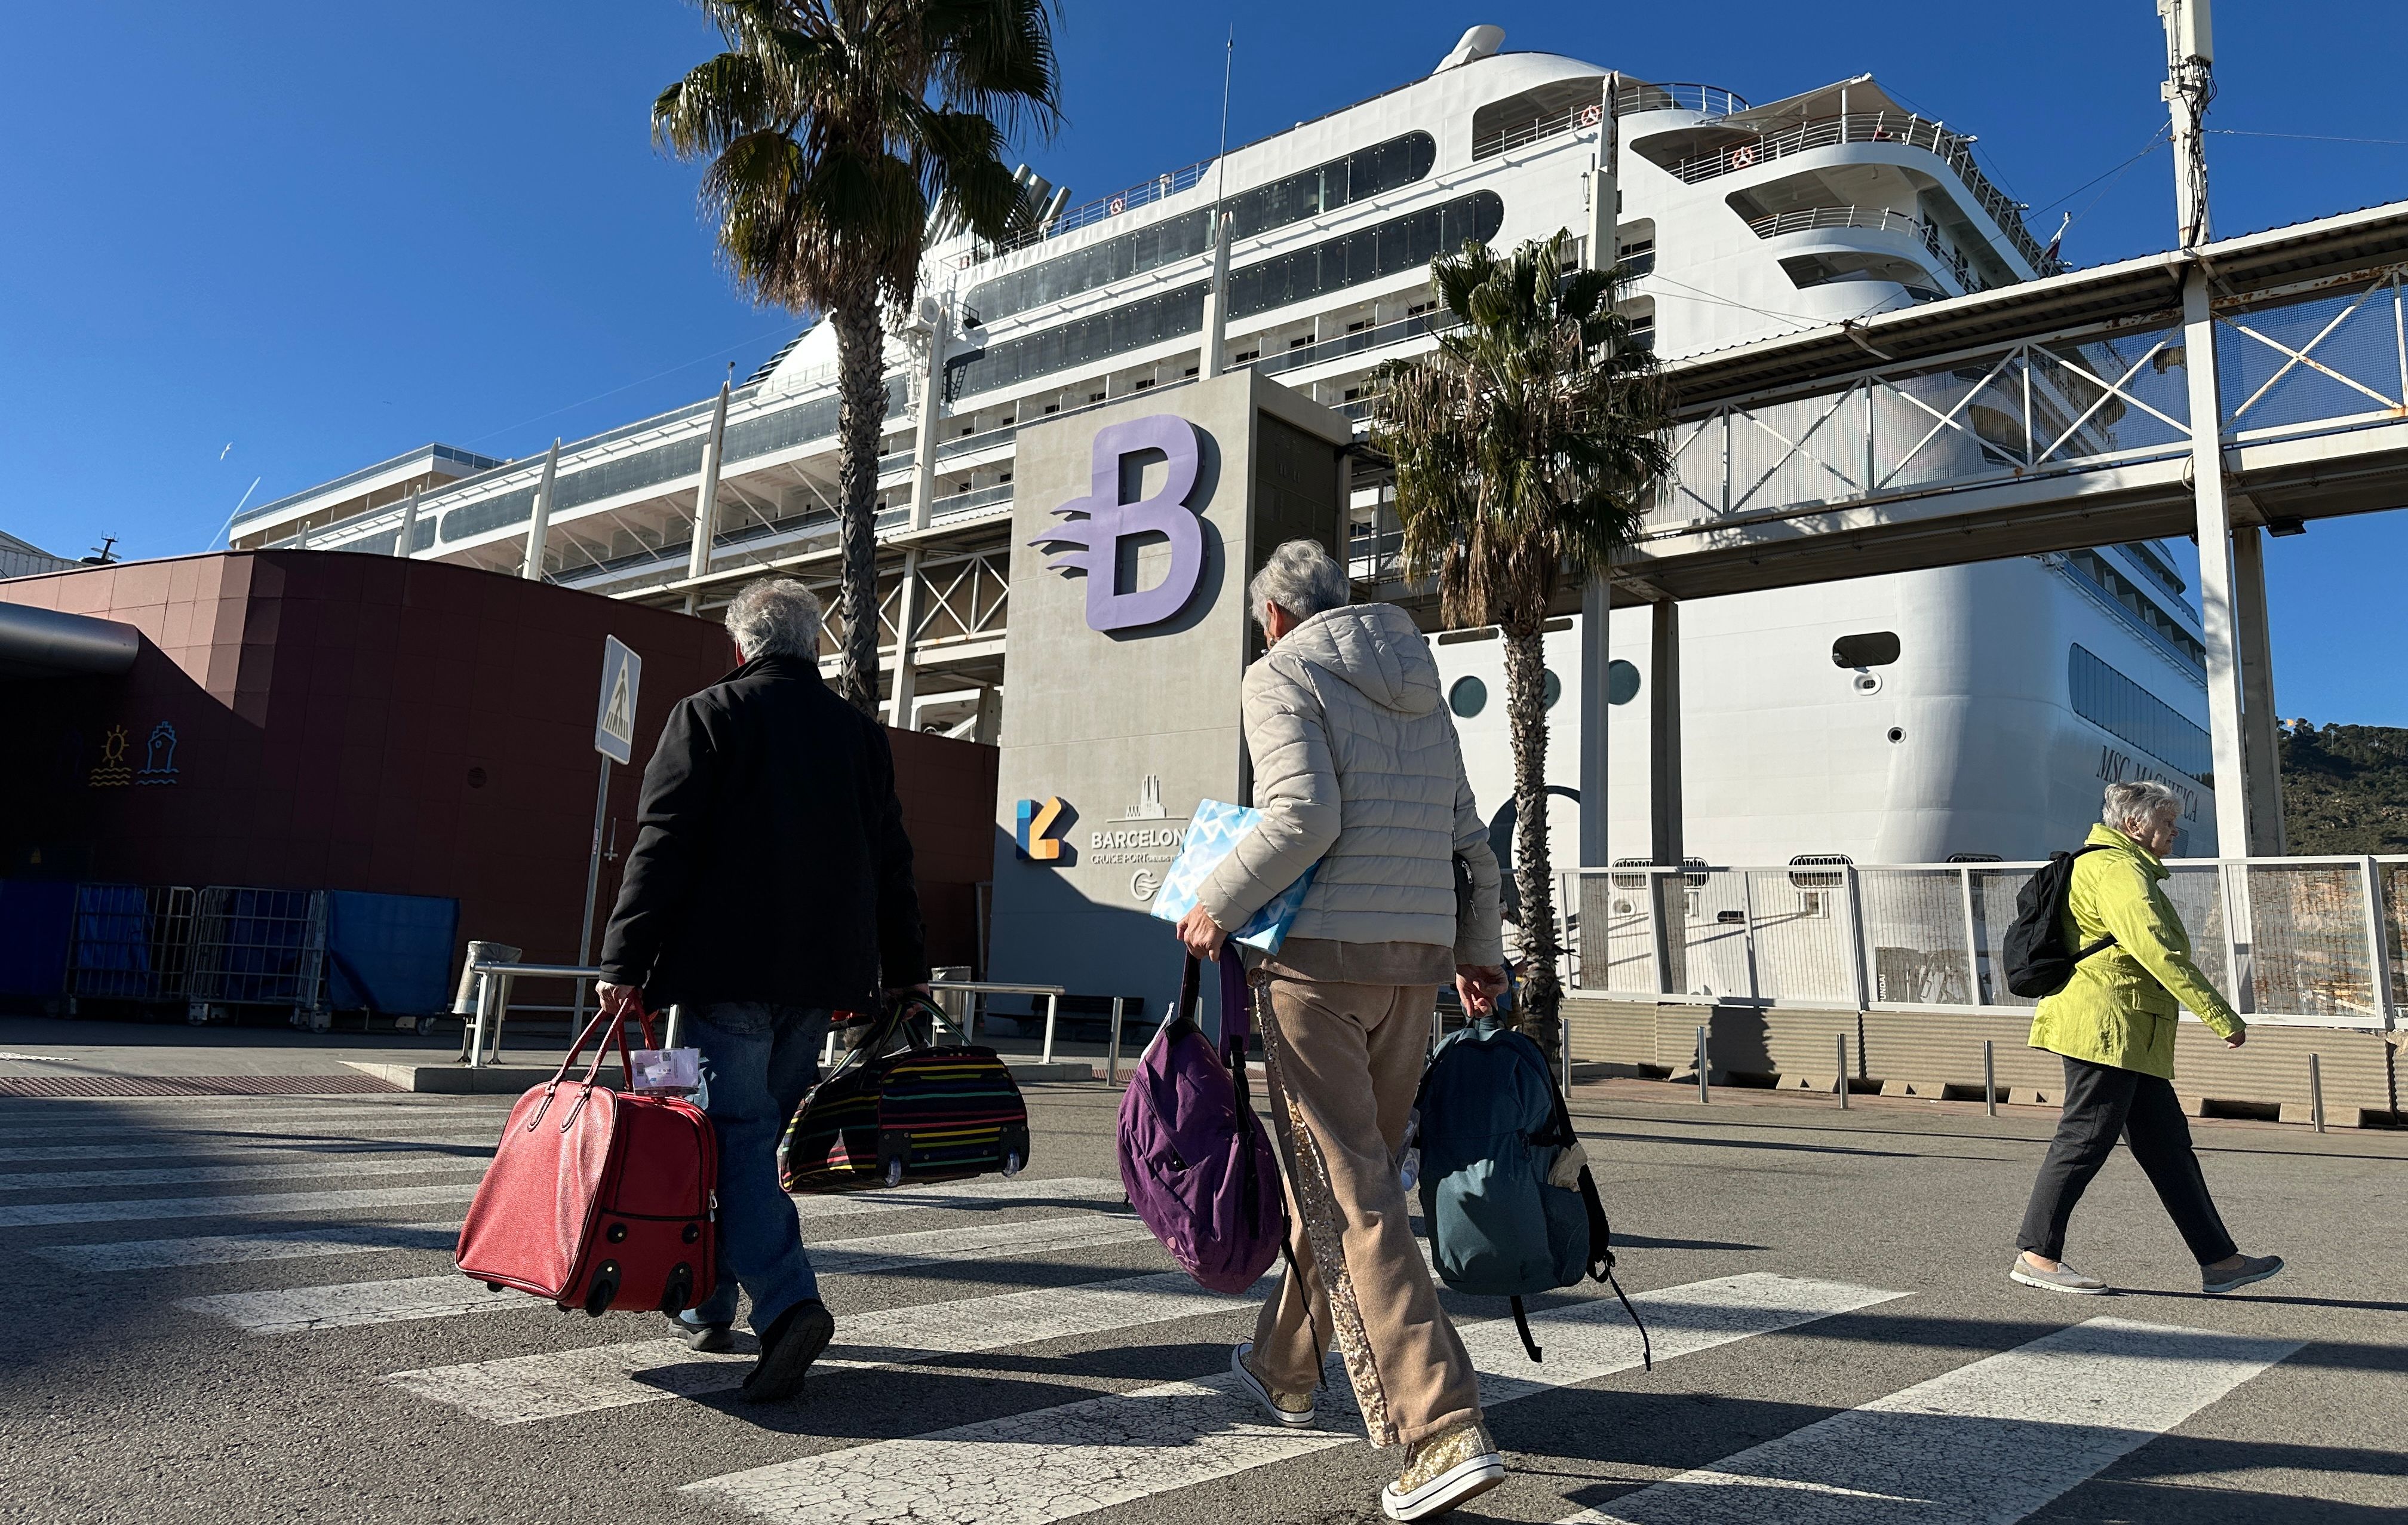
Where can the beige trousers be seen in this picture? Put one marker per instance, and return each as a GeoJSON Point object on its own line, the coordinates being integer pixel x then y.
{"type": "Point", "coordinates": [1344, 1062]}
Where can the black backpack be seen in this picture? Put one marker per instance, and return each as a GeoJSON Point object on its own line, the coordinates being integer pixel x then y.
{"type": "Point", "coordinates": [2038, 961]}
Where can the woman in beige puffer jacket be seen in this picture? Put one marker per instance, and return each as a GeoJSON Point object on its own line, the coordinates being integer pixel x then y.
{"type": "Point", "coordinates": [1356, 767]}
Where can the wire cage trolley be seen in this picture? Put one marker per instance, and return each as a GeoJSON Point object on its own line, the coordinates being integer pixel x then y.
{"type": "Point", "coordinates": [260, 947]}
{"type": "Point", "coordinates": [130, 943]}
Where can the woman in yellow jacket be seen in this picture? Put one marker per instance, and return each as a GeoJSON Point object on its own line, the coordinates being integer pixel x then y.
{"type": "Point", "coordinates": [2114, 1025]}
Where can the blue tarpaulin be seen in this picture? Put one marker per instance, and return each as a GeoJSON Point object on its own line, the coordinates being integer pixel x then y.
{"type": "Point", "coordinates": [34, 915]}
{"type": "Point", "coordinates": [390, 953]}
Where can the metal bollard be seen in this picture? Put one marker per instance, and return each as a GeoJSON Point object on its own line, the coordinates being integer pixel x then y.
{"type": "Point", "coordinates": [1053, 1009]}
{"type": "Point", "coordinates": [1843, 1069]}
{"type": "Point", "coordinates": [485, 984]}
{"type": "Point", "coordinates": [1113, 1055]}
{"type": "Point", "coordinates": [1703, 1095]}
{"type": "Point", "coordinates": [1989, 1081]}
{"type": "Point", "coordinates": [2316, 1092]}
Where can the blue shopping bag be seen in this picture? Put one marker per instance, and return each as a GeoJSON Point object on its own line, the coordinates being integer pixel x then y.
{"type": "Point", "coordinates": [1212, 831]}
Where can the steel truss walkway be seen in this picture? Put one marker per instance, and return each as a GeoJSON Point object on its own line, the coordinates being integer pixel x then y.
{"type": "Point", "coordinates": [2046, 416]}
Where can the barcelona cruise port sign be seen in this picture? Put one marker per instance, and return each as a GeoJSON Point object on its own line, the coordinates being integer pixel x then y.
{"type": "Point", "coordinates": [1135, 528]}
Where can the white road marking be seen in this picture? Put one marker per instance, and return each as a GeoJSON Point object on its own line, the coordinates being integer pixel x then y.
{"type": "Point", "coordinates": [202, 1147]}
{"type": "Point", "coordinates": [139, 1209]}
{"type": "Point", "coordinates": [182, 1120]}
{"type": "Point", "coordinates": [1984, 1445]}
{"type": "Point", "coordinates": [171, 1175]}
{"type": "Point", "coordinates": [291, 1310]}
{"type": "Point", "coordinates": [522, 1388]}
{"type": "Point", "coordinates": [222, 1250]}
{"type": "Point", "coordinates": [1057, 1464]}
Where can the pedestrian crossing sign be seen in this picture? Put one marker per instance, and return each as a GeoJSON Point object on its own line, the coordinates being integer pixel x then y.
{"type": "Point", "coordinates": [614, 723]}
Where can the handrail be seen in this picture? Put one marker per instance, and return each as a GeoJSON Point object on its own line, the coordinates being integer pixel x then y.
{"type": "Point", "coordinates": [1052, 994]}
{"type": "Point", "coordinates": [1954, 148]}
{"type": "Point", "coordinates": [1705, 100]}
{"type": "Point", "coordinates": [1161, 187]}
{"type": "Point", "coordinates": [1879, 219]}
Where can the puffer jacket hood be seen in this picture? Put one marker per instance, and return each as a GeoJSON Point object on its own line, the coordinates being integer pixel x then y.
{"type": "Point", "coordinates": [1373, 649]}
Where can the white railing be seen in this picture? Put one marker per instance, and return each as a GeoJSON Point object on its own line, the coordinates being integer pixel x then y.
{"type": "Point", "coordinates": [1878, 219]}
{"type": "Point", "coordinates": [2298, 940]}
{"type": "Point", "coordinates": [1953, 148]}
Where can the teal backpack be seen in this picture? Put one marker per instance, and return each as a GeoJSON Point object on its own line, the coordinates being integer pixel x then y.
{"type": "Point", "coordinates": [1492, 1129]}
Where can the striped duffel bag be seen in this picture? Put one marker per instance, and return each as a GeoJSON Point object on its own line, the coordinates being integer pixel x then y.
{"type": "Point", "coordinates": [897, 1109]}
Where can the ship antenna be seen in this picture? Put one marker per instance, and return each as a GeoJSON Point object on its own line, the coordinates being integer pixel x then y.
{"type": "Point", "coordinates": [1220, 159]}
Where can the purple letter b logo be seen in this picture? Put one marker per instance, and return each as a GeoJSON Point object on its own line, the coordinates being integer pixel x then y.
{"type": "Point", "coordinates": [1097, 523]}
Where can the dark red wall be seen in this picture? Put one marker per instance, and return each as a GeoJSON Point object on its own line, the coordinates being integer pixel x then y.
{"type": "Point", "coordinates": [358, 721]}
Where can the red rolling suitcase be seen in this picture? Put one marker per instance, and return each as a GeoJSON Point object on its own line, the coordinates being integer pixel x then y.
{"type": "Point", "coordinates": [598, 1199]}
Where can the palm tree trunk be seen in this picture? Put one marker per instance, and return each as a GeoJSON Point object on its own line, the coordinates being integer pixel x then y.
{"type": "Point", "coordinates": [861, 386]}
{"type": "Point", "coordinates": [1525, 699]}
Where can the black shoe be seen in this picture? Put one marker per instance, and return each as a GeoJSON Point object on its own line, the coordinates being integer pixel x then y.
{"type": "Point", "coordinates": [788, 1347]}
{"type": "Point", "coordinates": [707, 1339]}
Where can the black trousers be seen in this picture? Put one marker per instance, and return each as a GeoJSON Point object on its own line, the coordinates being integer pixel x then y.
{"type": "Point", "coordinates": [2101, 1101]}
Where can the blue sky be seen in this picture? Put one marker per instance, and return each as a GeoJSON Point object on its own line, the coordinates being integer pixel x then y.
{"type": "Point", "coordinates": [319, 235]}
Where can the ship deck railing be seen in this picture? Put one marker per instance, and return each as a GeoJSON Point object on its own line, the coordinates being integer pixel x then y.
{"type": "Point", "coordinates": [1955, 149]}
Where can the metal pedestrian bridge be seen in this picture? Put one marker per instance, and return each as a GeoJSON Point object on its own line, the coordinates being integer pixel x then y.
{"type": "Point", "coordinates": [2045, 416]}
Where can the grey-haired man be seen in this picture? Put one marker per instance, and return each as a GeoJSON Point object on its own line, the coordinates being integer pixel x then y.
{"type": "Point", "coordinates": [769, 884]}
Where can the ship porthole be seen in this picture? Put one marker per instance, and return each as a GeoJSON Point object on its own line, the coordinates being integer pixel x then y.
{"type": "Point", "coordinates": [1867, 682]}
{"type": "Point", "coordinates": [1897, 733]}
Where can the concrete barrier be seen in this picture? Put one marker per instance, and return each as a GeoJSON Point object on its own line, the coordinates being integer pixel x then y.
{"type": "Point", "coordinates": [1938, 1054]}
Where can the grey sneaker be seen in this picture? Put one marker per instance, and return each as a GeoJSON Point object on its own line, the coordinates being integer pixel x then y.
{"type": "Point", "coordinates": [1292, 1409]}
{"type": "Point", "coordinates": [2063, 1279]}
{"type": "Point", "coordinates": [1443, 1471]}
{"type": "Point", "coordinates": [2253, 1268]}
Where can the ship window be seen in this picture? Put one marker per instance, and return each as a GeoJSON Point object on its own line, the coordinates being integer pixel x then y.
{"type": "Point", "coordinates": [1620, 681]}
{"type": "Point", "coordinates": [1467, 697]}
{"type": "Point", "coordinates": [1384, 248]}
{"type": "Point", "coordinates": [1553, 688]}
{"type": "Point", "coordinates": [1100, 263]}
{"type": "Point", "coordinates": [760, 434]}
{"type": "Point", "coordinates": [1326, 187]}
{"type": "Point", "coordinates": [1874, 649]}
{"type": "Point", "coordinates": [1114, 331]}
{"type": "Point", "coordinates": [2117, 705]}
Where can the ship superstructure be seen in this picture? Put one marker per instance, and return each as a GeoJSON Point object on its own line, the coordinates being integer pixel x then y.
{"type": "Point", "coordinates": [1898, 718]}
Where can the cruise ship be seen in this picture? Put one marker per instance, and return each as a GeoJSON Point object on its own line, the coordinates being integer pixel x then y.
{"type": "Point", "coordinates": [1964, 713]}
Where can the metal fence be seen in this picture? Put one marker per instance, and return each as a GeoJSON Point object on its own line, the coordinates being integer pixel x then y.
{"type": "Point", "coordinates": [264, 947]}
{"type": "Point", "coordinates": [129, 942]}
{"type": "Point", "coordinates": [2307, 941]}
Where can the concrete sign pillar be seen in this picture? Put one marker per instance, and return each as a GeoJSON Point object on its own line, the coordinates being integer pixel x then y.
{"type": "Point", "coordinates": [1134, 529]}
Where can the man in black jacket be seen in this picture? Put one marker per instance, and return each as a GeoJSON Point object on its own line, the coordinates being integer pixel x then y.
{"type": "Point", "coordinates": [770, 883]}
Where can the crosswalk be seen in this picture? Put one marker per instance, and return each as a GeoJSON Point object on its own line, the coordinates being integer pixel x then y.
{"type": "Point", "coordinates": [302, 1244]}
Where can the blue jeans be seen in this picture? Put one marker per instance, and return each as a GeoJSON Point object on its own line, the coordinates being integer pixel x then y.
{"type": "Point", "coordinates": [758, 1060]}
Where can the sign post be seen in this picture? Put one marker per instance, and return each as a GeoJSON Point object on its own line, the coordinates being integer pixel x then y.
{"type": "Point", "coordinates": [614, 737]}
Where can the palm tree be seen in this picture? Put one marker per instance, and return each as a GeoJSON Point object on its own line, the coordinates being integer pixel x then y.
{"type": "Point", "coordinates": [833, 129]}
{"type": "Point", "coordinates": [1525, 447]}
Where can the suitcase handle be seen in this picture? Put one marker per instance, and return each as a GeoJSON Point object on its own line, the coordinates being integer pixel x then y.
{"type": "Point", "coordinates": [601, 1052]}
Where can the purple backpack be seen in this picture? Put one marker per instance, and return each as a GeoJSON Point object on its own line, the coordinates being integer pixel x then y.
{"type": "Point", "coordinates": [1196, 1161]}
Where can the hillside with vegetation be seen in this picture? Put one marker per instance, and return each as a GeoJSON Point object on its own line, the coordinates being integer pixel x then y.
{"type": "Point", "coordinates": [2345, 788]}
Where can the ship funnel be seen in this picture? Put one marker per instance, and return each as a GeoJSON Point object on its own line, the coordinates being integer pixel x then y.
{"type": "Point", "coordinates": [1478, 43]}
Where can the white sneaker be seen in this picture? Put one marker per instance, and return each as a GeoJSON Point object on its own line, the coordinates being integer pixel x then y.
{"type": "Point", "coordinates": [2063, 1279]}
{"type": "Point", "coordinates": [1293, 1410]}
{"type": "Point", "coordinates": [1443, 1471]}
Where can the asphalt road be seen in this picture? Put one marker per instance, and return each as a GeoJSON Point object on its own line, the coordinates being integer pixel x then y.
{"type": "Point", "coordinates": [243, 1309]}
